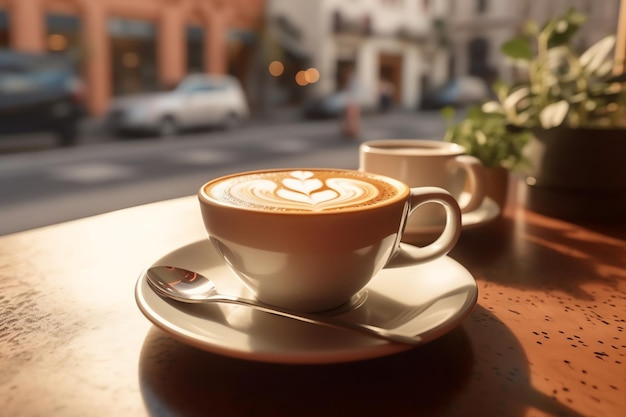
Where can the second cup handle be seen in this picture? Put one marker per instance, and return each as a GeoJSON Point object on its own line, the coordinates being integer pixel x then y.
{"type": "Point", "coordinates": [476, 177]}
{"type": "Point", "coordinates": [409, 254]}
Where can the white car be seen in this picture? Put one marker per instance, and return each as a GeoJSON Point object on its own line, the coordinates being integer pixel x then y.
{"type": "Point", "coordinates": [198, 101]}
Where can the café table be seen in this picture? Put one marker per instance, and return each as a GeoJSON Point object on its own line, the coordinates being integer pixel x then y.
{"type": "Point", "coordinates": [546, 337]}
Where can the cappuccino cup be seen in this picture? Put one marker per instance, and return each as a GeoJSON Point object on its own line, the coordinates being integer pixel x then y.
{"type": "Point", "coordinates": [421, 163]}
{"type": "Point", "coordinates": [308, 240]}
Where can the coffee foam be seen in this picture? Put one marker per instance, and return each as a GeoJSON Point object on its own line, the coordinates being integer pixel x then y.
{"type": "Point", "coordinates": [302, 191]}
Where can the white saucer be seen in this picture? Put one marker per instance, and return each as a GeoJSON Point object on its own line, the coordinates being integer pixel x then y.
{"type": "Point", "coordinates": [487, 211]}
{"type": "Point", "coordinates": [426, 300]}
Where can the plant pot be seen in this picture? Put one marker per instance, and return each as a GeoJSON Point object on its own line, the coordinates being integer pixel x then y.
{"type": "Point", "coordinates": [578, 174]}
{"type": "Point", "coordinates": [497, 185]}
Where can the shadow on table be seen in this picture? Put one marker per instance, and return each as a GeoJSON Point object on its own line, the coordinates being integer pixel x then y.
{"type": "Point", "coordinates": [545, 253]}
{"type": "Point", "coordinates": [477, 369]}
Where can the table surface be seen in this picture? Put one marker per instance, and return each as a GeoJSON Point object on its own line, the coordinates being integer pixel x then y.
{"type": "Point", "coordinates": [545, 339]}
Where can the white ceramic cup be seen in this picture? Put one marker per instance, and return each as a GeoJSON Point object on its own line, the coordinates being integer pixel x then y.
{"type": "Point", "coordinates": [310, 239]}
{"type": "Point", "coordinates": [421, 163]}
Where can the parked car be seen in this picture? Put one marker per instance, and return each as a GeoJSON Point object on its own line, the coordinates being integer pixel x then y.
{"type": "Point", "coordinates": [459, 92]}
{"type": "Point", "coordinates": [40, 92]}
{"type": "Point", "coordinates": [197, 101]}
{"type": "Point", "coordinates": [325, 107]}
{"type": "Point", "coordinates": [333, 105]}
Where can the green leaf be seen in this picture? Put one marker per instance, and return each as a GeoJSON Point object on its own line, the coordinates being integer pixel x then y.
{"type": "Point", "coordinates": [474, 112]}
{"type": "Point", "coordinates": [498, 85]}
{"type": "Point", "coordinates": [515, 97]}
{"type": "Point", "coordinates": [448, 112]}
{"type": "Point", "coordinates": [481, 138]}
{"type": "Point", "coordinates": [593, 58]}
{"type": "Point", "coordinates": [575, 17]}
{"type": "Point", "coordinates": [518, 48]}
{"type": "Point", "coordinates": [554, 114]}
{"type": "Point", "coordinates": [557, 58]}
{"type": "Point", "coordinates": [605, 69]}
{"type": "Point", "coordinates": [492, 107]}
{"type": "Point", "coordinates": [562, 30]}
{"type": "Point", "coordinates": [563, 37]}
{"type": "Point", "coordinates": [531, 28]}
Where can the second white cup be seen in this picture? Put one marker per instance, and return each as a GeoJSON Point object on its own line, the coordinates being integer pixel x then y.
{"type": "Point", "coordinates": [422, 163]}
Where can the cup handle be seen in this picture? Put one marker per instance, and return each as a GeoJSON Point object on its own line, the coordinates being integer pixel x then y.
{"type": "Point", "coordinates": [406, 254]}
{"type": "Point", "coordinates": [476, 176]}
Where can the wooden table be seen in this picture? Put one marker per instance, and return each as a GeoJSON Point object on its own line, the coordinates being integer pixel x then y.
{"type": "Point", "coordinates": [547, 337]}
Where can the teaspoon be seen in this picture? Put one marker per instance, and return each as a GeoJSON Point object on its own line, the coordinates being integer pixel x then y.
{"type": "Point", "coordinates": [191, 287]}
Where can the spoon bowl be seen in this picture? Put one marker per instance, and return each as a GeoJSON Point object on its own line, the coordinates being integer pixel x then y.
{"type": "Point", "coordinates": [186, 286]}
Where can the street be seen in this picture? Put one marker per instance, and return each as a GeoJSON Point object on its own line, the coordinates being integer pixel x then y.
{"type": "Point", "coordinates": [42, 184]}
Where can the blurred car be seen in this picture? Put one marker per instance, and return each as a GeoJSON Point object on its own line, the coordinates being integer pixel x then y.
{"type": "Point", "coordinates": [333, 105]}
{"type": "Point", "coordinates": [197, 101]}
{"type": "Point", "coordinates": [460, 92]}
{"type": "Point", "coordinates": [325, 107]}
{"type": "Point", "coordinates": [40, 93]}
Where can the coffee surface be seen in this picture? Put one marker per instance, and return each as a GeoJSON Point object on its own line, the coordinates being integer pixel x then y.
{"type": "Point", "coordinates": [303, 191]}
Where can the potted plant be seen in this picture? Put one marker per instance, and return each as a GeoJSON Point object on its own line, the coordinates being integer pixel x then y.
{"type": "Point", "coordinates": [575, 107]}
{"type": "Point", "coordinates": [491, 139]}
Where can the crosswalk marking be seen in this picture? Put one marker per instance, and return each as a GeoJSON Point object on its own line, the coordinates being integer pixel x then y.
{"type": "Point", "coordinates": [92, 172]}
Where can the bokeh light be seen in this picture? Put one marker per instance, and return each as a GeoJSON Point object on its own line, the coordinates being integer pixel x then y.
{"type": "Point", "coordinates": [57, 42]}
{"type": "Point", "coordinates": [301, 78]}
{"type": "Point", "coordinates": [276, 68]}
{"type": "Point", "coordinates": [312, 75]}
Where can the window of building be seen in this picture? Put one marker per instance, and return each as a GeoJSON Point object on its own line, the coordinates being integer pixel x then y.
{"type": "Point", "coordinates": [241, 46]}
{"type": "Point", "coordinates": [343, 72]}
{"type": "Point", "coordinates": [479, 66]}
{"type": "Point", "coordinates": [195, 48]}
{"type": "Point", "coordinates": [63, 35]}
{"type": "Point", "coordinates": [4, 29]}
{"type": "Point", "coordinates": [133, 56]}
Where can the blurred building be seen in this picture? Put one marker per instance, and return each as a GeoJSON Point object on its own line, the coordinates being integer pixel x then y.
{"type": "Point", "coordinates": [477, 29]}
{"type": "Point", "coordinates": [129, 46]}
{"type": "Point", "coordinates": [372, 40]}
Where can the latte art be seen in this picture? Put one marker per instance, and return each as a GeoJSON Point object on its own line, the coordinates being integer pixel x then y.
{"type": "Point", "coordinates": [315, 190]}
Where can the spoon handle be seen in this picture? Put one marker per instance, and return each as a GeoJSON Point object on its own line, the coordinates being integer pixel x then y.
{"type": "Point", "coordinates": [333, 322]}
{"type": "Point", "coordinates": [191, 287]}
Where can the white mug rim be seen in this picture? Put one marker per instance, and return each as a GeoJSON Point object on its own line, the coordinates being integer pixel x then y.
{"type": "Point", "coordinates": [422, 147]}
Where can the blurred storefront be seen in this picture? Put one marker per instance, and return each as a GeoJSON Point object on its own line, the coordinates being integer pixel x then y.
{"type": "Point", "coordinates": [133, 55]}
{"type": "Point", "coordinates": [476, 30]}
{"type": "Point", "coordinates": [124, 47]}
{"type": "Point", "coordinates": [388, 43]}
